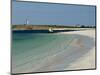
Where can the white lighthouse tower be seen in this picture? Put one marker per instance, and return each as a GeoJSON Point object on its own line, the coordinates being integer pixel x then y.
{"type": "Point", "coordinates": [27, 21]}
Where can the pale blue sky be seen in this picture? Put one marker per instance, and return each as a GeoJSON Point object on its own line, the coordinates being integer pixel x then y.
{"type": "Point", "coordinates": [55, 14]}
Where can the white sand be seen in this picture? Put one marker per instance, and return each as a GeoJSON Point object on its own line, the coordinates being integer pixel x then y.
{"type": "Point", "coordinates": [71, 59]}
{"type": "Point", "coordinates": [87, 62]}
{"type": "Point", "coordinates": [78, 55]}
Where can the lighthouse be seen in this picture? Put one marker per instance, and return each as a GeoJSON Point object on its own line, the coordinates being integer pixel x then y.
{"type": "Point", "coordinates": [27, 22]}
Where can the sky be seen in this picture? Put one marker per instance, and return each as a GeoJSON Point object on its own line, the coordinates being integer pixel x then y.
{"type": "Point", "coordinates": [52, 14]}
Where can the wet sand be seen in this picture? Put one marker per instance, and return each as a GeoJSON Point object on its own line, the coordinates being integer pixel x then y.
{"type": "Point", "coordinates": [88, 60]}
{"type": "Point", "coordinates": [80, 55]}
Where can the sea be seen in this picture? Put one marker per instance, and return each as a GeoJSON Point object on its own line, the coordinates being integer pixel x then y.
{"type": "Point", "coordinates": [31, 49]}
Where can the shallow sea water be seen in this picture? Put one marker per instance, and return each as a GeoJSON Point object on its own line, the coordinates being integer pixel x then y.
{"type": "Point", "coordinates": [29, 49]}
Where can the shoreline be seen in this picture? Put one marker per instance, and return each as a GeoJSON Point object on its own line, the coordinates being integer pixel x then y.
{"type": "Point", "coordinates": [85, 62]}
{"type": "Point", "coordinates": [80, 55]}
{"type": "Point", "coordinates": [54, 30]}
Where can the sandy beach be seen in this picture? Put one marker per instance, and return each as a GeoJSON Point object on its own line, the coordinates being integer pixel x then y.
{"type": "Point", "coordinates": [88, 60]}
{"type": "Point", "coordinates": [80, 54]}
{"type": "Point", "coordinates": [60, 60]}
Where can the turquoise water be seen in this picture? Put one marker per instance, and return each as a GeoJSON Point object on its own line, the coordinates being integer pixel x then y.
{"type": "Point", "coordinates": [30, 50]}
{"type": "Point", "coordinates": [31, 42]}
{"type": "Point", "coordinates": [37, 46]}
